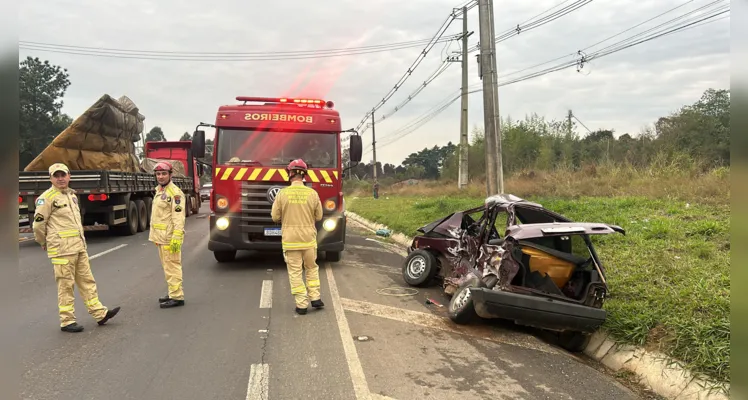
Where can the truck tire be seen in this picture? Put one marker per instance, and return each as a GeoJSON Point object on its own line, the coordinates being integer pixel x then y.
{"type": "Point", "coordinates": [148, 206]}
{"type": "Point", "coordinates": [224, 256]}
{"type": "Point", "coordinates": [187, 206]}
{"type": "Point", "coordinates": [333, 256]}
{"type": "Point", "coordinates": [130, 227]}
{"type": "Point", "coordinates": [142, 215]}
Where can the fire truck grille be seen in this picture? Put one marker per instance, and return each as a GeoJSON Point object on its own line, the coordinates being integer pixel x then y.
{"type": "Point", "coordinates": [256, 205]}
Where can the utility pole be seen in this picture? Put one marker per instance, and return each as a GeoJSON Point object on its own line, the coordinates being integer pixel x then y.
{"type": "Point", "coordinates": [491, 118]}
{"type": "Point", "coordinates": [374, 146]}
{"type": "Point", "coordinates": [569, 122]}
{"type": "Point", "coordinates": [463, 177]}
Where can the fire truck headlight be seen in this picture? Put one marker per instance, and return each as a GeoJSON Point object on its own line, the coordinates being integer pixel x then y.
{"type": "Point", "coordinates": [329, 225]}
{"type": "Point", "coordinates": [222, 223]}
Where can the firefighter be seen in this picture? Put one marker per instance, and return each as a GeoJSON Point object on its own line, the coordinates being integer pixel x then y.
{"type": "Point", "coordinates": [167, 232]}
{"type": "Point", "coordinates": [297, 207]}
{"type": "Point", "coordinates": [58, 229]}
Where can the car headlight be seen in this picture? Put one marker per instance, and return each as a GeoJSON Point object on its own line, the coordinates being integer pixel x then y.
{"type": "Point", "coordinates": [222, 223]}
{"type": "Point", "coordinates": [329, 225]}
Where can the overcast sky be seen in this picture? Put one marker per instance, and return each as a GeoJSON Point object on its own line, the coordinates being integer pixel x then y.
{"type": "Point", "coordinates": [623, 91]}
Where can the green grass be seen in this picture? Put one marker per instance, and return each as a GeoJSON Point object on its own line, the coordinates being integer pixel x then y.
{"type": "Point", "coordinates": [669, 276]}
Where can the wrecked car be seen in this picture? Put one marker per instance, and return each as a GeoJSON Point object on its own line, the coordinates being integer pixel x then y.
{"type": "Point", "coordinates": [543, 270]}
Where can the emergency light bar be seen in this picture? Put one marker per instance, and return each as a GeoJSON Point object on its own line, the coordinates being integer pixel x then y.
{"type": "Point", "coordinates": [284, 100]}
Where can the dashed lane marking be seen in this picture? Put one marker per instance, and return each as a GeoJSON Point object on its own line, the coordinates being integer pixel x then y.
{"type": "Point", "coordinates": [107, 251]}
{"type": "Point", "coordinates": [257, 389]}
{"type": "Point", "coordinates": [360, 386]}
{"type": "Point", "coordinates": [442, 323]}
{"type": "Point", "coordinates": [266, 296]}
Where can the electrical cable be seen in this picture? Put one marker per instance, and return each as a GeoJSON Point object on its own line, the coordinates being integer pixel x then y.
{"type": "Point", "coordinates": [224, 57]}
{"type": "Point", "coordinates": [622, 45]}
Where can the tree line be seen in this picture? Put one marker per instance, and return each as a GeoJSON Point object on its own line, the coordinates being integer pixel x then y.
{"type": "Point", "coordinates": [698, 133]}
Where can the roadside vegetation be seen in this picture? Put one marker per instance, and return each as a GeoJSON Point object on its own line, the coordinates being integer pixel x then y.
{"type": "Point", "coordinates": [669, 276]}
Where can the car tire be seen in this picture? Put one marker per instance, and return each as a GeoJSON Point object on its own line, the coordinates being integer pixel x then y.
{"type": "Point", "coordinates": [419, 268]}
{"type": "Point", "coordinates": [224, 256]}
{"type": "Point", "coordinates": [573, 341]}
{"type": "Point", "coordinates": [461, 308]}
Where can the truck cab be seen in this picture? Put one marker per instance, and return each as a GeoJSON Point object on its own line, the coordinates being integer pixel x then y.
{"type": "Point", "coordinates": [253, 144]}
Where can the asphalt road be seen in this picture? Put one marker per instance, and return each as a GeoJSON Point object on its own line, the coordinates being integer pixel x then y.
{"type": "Point", "coordinates": [238, 338]}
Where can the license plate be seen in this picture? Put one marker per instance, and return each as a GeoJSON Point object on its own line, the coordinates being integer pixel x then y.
{"type": "Point", "coordinates": [272, 231]}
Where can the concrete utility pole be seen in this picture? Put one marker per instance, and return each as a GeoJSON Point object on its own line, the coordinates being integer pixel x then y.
{"type": "Point", "coordinates": [568, 117]}
{"type": "Point", "coordinates": [463, 177]}
{"type": "Point", "coordinates": [374, 145]}
{"type": "Point", "coordinates": [491, 119]}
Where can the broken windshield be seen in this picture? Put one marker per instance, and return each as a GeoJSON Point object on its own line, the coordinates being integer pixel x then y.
{"type": "Point", "coordinates": [274, 148]}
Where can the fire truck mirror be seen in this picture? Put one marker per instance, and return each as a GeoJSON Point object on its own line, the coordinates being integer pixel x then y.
{"type": "Point", "coordinates": [355, 149]}
{"type": "Point", "coordinates": [198, 144]}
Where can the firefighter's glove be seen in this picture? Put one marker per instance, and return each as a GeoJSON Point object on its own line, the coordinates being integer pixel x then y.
{"type": "Point", "coordinates": [176, 245]}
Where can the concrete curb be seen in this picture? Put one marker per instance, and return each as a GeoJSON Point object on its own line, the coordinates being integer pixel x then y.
{"type": "Point", "coordinates": [655, 371]}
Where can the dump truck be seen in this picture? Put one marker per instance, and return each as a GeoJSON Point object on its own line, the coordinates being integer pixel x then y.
{"type": "Point", "coordinates": [253, 143]}
{"type": "Point", "coordinates": [115, 189]}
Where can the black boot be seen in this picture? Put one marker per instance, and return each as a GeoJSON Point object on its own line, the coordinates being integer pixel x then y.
{"type": "Point", "coordinates": [74, 327]}
{"type": "Point", "coordinates": [318, 303]}
{"type": "Point", "coordinates": [172, 303]}
{"type": "Point", "coordinates": [164, 299]}
{"type": "Point", "coordinates": [301, 311]}
{"type": "Point", "coordinates": [109, 315]}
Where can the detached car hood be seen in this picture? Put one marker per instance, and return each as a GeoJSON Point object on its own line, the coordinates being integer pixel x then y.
{"type": "Point", "coordinates": [529, 231]}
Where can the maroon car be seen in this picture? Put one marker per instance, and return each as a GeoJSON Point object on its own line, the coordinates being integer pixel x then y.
{"type": "Point", "coordinates": [542, 272]}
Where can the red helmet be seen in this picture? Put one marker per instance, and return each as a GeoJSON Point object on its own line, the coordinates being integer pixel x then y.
{"type": "Point", "coordinates": [162, 166]}
{"type": "Point", "coordinates": [297, 165]}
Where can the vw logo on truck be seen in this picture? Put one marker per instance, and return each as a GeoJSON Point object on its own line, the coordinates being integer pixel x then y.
{"type": "Point", "coordinates": [272, 193]}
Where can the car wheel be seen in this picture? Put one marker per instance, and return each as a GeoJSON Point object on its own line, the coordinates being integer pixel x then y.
{"type": "Point", "coordinates": [573, 341]}
{"type": "Point", "coordinates": [461, 307]}
{"type": "Point", "coordinates": [333, 256]}
{"type": "Point", "coordinates": [419, 268]}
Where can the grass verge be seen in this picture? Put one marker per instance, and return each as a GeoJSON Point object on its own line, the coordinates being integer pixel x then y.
{"type": "Point", "coordinates": [669, 276]}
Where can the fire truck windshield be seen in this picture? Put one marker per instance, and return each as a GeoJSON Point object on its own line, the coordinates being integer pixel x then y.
{"type": "Point", "coordinates": [265, 148]}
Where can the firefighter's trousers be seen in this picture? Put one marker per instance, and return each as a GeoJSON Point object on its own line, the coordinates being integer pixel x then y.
{"type": "Point", "coordinates": [70, 271]}
{"type": "Point", "coordinates": [295, 261]}
{"type": "Point", "coordinates": [172, 264]}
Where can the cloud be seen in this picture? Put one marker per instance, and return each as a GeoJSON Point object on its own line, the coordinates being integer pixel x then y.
{"type": "Point", "coordinates": [622, 91]}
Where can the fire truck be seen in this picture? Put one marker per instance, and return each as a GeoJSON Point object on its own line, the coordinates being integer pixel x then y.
{"type": "Point", "coordinates": [253, 143]}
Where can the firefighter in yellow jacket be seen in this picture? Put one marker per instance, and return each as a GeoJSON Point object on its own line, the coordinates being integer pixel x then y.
{"type": "Point", "coordinates": [297, 207]}
{"type": "Point", "coordinates": [167, 232]}
{"type": "Point", "coordinates": [58, 229]}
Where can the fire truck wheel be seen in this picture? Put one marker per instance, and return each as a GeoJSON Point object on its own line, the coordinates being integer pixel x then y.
{"type": "Point", "coordinates": [224, 256]}
{"type": "Point", "coordinates": [332, 256]}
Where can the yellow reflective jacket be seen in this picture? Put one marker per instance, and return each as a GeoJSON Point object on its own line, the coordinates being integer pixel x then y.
{"type": "Point", "coordinates": [297, 207]}
{"type": "Point", "coordinates": [57, 223]}
{"type": "Point", "coordinates": [167, 214]}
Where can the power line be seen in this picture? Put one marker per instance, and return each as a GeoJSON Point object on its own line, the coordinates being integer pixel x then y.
{"type": "Point", "coordinates": [224, 57]}
{"type": "Point", "coordinates": [621, 45]}
{"type": "Point", "coordinates": [455, 13]}
{"type": "Point", "coordinates": [531, 23]}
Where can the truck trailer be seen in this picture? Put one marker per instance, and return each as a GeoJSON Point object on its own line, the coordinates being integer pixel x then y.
{"type": "Point", "coordinates": [114, 190]}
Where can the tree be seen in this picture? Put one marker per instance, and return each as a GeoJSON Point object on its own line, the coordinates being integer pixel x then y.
{"type": "Point", "coordinates": [41, 89]}
{"type": "Point", "coordinates": [155, 135]}
{"type": "Point", "coordinates": [186, 137]}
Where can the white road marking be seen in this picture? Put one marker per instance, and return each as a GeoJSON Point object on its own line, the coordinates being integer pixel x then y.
{"type": "Point", "coordinates": [257, 389]}
{"type": "Point", "coordinates": [377, 396]}
{"type": "Point", "coordinates": [429, 320]}
{"type": "Point", "coordinates": [107, 251]}
{"type": "Point", "coordinates": [360, 386]}
{"type": "Point", "coordinates": [266, 297]}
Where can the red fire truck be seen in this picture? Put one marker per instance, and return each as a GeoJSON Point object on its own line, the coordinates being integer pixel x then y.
{"type": "Point", "coordinates": [253, 143]}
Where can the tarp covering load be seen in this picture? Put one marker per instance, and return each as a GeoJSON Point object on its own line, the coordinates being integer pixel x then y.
{"type": "Point", "coordinates": [102, 138]}
{"type": "Point", "coordinates": [176, 166]}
